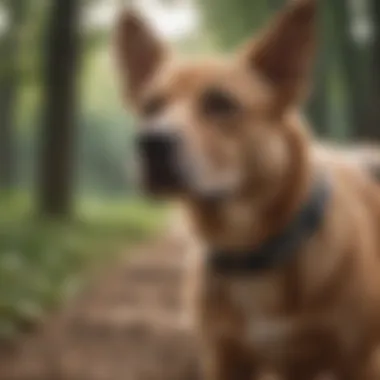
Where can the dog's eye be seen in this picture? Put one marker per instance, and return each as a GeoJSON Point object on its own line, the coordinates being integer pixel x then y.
{"type": "Point", "coordinates": [153, 106]}
{"type": "Point", "coordinates": [217, 103]}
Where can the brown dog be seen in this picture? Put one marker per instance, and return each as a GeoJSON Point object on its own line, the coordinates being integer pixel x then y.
{"type": "Point", "coordinates": [285, 234]}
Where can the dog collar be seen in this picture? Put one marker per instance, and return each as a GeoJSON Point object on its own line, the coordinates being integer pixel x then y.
{"type": "Point", "coordinates": [281, 248]}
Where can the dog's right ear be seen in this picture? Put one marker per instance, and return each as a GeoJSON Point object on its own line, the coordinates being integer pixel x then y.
{"type": "Point", "coordinates": [139, 53]}
{"type": "Point", "coordinates": [285, 51]}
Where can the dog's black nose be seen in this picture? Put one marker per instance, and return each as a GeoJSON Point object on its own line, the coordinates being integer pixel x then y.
{"type": "Point", "coordinates": [156, 145]}
{"type": "Point", "coordinates": [159, 153]}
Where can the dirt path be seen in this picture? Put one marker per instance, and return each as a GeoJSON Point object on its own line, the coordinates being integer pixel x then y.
{"type": "Point", "coordinates": [125, 327]}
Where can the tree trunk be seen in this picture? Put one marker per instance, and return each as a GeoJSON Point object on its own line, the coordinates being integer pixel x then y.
{"type": "Point", "coordinates": [375, 103]}
{"type": "Point", "coordinates": [59, 124]}
{"type": "Point", "coordinates": [318, 105]}
{"type": "Point", "coordinates": [353, 70]}
{"type": "Point", "coordinates": [9, 83]}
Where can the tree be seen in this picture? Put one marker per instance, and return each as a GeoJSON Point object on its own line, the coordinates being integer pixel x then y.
{"type": "Point", "coordinates": [354, 69]}
{"type": "Point", "coordinates": [375, 103]}
{"type": "Point", "coordinates": [9, 85]}
{"type": "Point", "coordinates": [59, 124]}
{"type": "Point", "coordinates": [318, 105]}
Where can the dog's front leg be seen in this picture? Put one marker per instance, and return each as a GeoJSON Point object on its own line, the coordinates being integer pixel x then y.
{"type": "Point", "coordinates": [304, 372]}
{"type": "Point", "coordinates": [361, 365]}
{"type": "Point", "coordinates": [227, 360]}
{"type": "Point", "coordinates": [358, 371]}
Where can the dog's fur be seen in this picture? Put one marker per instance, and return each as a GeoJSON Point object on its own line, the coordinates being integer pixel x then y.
{"type": "Point", "coordinates": [320, 312]}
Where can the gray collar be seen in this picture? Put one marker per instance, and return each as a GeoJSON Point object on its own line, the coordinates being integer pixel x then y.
{"type": "Point", "coordinates": [281, 248]}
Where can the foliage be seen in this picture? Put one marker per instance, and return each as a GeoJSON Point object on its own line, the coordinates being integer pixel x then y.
{"type": "Point", "coordinates": [232, 22]}
{"type": "Point", "coordinates": [42, 262]}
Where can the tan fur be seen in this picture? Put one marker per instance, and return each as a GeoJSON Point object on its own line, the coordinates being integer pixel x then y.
{"type": "Point", "coordinates": [321, 312]}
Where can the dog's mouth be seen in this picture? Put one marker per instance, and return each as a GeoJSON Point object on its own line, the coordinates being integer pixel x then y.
{"type": "Point", "coordinates": [171, 181]}
{"type": "Point", "coordinates": [165, 173]}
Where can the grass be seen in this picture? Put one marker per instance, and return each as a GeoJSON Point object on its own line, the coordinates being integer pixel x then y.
{"type": "Point", "coordinates": [42, 262]}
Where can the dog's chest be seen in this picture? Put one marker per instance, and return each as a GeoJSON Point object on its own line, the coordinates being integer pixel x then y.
{"type": "Point", "coordinates": [254, 296]}
{"type": "Point", "coordinates": [259, 301]}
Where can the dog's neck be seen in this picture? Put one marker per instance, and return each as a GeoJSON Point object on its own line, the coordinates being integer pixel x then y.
{"type": "Point", "coordinates": [248, 220]}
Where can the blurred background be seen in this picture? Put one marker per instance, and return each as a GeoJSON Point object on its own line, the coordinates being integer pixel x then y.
{"type": "Point", "coordinates": [68, 198]}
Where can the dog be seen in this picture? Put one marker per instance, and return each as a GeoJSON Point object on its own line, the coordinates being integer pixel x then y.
{"type": "Point", "coordinates": [283, 232]}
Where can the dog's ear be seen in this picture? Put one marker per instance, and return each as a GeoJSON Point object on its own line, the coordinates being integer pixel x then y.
{"type": "Point", "coordinates": [284, 53]}
{"type": "Point", "coordinates": [139, 53]}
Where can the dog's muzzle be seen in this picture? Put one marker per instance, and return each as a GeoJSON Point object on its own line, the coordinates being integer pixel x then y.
{"type": "Point", "coordinates": [160, 158]}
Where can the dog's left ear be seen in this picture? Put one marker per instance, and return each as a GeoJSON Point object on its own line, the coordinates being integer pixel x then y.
{"type": "Point", "coordinates": [139, 53]}
{"type": "Point", "coordinates": [284, 53]}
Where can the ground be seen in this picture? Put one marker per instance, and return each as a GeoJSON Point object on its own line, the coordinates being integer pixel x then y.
{"type": "Point", "coordinates": [125, 326]}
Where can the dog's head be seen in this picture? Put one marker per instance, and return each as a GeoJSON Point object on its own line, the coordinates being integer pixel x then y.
{"type": "Point", "coordinates": [208, 128]}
